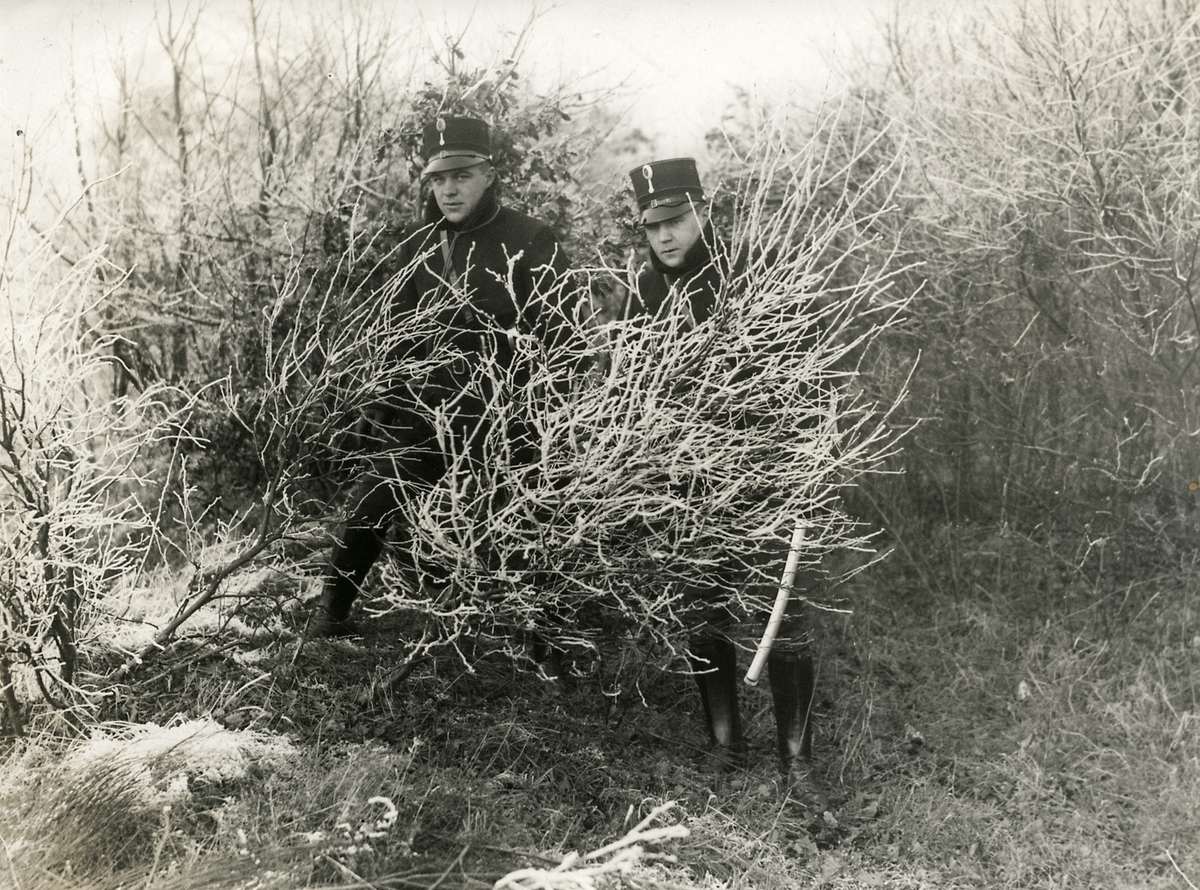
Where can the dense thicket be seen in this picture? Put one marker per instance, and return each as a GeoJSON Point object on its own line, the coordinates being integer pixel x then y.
{"type": "Point", "coordinates": [1043, 215]}
{"type": "Point", "coordinates": [301, 153]}
{"type": "Point", "coordinates": [251, 225]}
{"type": "Point", "coordinates": [1050, 199]}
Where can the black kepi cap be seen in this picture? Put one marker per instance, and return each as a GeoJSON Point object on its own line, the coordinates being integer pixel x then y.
{"type": "Point", "coordinates": [449, 143]}
{"type": "Point", "coordinates": [666, 189]}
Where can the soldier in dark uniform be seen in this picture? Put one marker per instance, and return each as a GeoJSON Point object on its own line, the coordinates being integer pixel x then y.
{"type": "Point", "coordinates": [685, 267]}
{"type": "Point", "coordinates": [507, 266]}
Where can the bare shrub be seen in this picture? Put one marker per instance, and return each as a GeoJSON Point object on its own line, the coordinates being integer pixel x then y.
{"type": "Point", "coordinates": [73, 511]}
{"type": "Point", "coordinates": [612, 468]}
{"type": "Point", "coordinates": [593, 502]}
{"type": "Point", "coordinates": [1051, 192]}
{"type": "Point", "coordinates": [302, 149]}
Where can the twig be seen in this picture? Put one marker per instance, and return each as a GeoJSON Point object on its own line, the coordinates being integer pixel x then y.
{"type": "Point", "coordinates": [446, 873]}
{"type": "Point", "coordinates": [11, 705]}
{"type": "Point", "coordinates": [1179, 870]}
{"type": "Point", "coordinates": [780, 607]}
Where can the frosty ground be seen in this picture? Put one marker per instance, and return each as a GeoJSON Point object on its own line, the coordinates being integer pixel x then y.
{"type": "Point", "coordinates": [1039, 732]}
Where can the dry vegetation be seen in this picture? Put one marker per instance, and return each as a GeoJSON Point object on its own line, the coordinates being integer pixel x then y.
{"type": "Point", "coordinates": [1011, 698]}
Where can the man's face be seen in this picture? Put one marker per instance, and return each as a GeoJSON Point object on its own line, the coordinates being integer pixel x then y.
{"type": "Point", "coordinates": [672, 238]}
{"type": "Point", "coordinates": [458, 192]}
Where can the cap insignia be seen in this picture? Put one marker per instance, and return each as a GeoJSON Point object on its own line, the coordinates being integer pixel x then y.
{"type": "Point", "coordinates": [441, 128]}
{"type": "Point", "coordinates": [648, 172]}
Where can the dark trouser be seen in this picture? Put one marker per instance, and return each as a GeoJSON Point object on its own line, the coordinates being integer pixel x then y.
{"type": "Point", "coordinates": [408, 459]}
{"type": "Point", "coordinates": [713, 657]}
{"type": "Point", "coordinates": [413, 461]}
{"type": "Point", "coordinates": [374, 505]}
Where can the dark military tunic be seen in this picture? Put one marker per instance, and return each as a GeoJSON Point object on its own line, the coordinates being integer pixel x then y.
{"type": "Point", "coordinates": [492, 247]}
{"type": "Point", "coordinates": [702, 280]}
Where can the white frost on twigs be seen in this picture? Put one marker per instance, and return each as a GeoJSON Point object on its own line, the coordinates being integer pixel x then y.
{"type": "Point", "coordinates": [683, 457]}
{"type": "Point", "coordinates": [585, 872]}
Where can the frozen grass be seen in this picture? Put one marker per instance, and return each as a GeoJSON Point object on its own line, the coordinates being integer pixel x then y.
{"type": "Point", "coordinates": [1003, 733]}
{"type": "Point", "coordinates": [251, 603]}
{"type": "Point", "coordinates": [1055, 721]}
{"type": "Point", "coordinates": [119, 799]}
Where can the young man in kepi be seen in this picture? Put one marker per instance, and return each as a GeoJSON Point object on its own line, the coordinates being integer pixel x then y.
{"type": "Point", "coordinates": [688, 266]}
{"type": "Point", "coordinates": [479, 248]}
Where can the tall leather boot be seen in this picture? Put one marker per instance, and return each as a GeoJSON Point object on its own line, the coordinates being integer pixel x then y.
{"type": "Point", "coordinates": [352, 557]}
{"type": "Point", "coordinates": [332, 616]}
{"type": "Point", "coordinates": [715, 662]}
{"type": "Point", "coordinates": [792, 687]}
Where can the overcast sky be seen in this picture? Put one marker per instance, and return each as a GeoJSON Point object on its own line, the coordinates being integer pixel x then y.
{"type": "Point", "coordinates": [678, 58]}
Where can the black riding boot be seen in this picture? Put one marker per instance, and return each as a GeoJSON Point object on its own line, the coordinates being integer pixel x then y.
{"type": "Point", "coordinates": [332, 616]}
{"type": "Point", "coordinates": [352, 558]}
{"type": "Point", "coordinates": [791, 677]}
{"type": "Point", "coordinates": [715, 664]}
